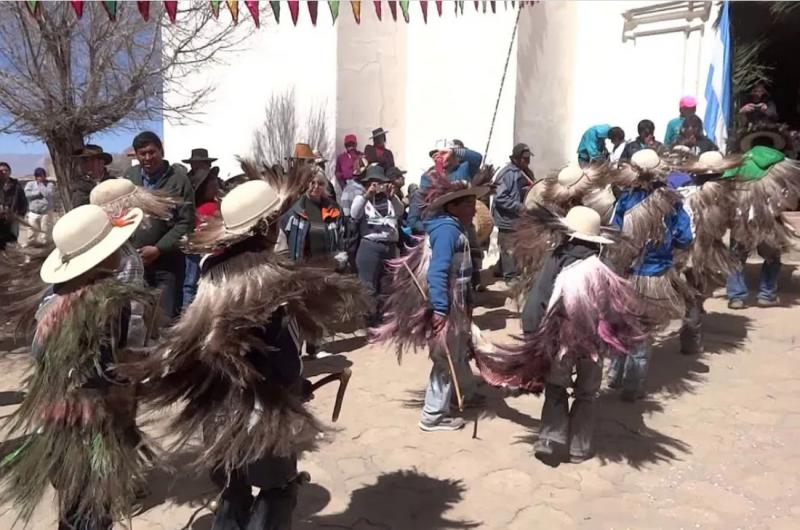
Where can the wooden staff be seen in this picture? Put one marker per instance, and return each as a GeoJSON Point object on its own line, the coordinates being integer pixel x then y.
{"type": "Point", "coordinates": [459, 397]}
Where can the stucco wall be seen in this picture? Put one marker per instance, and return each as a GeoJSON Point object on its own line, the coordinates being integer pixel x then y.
{"type": "Point", "coordinates": [274, 58]}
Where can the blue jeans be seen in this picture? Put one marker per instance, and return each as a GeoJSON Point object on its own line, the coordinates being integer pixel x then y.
{"type": "Point", "coordinates": [190, 278]}
{"type": "Point", "coordinates": [770, 269]}
{"type": "Point", "coordinates": [631, 370]}
{"type": "Point", "coordinates": [439, 393]}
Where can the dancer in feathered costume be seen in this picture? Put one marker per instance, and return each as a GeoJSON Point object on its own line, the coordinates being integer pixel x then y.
{"type": "Point", "coordinates": [430, 304]}
{"type": "Point", "coordinates": [652, 216]}
{"type": "Point", "coordinates": [707, 262]}
{"type": "Point", "coordinates": [572, 186]}
{"type": "Point", "coordinates": [76, 413]}
{"type": "Point", "coordinates": [232, 361]}
{"type": "Point", "coordinates": [766, 185]}
{"type": "Point", "coordinates": [577, 312]}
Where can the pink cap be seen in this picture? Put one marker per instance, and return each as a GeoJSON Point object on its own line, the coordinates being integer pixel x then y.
{"type": "Point", "coordinates": [350, 138]}
{"type": "Point", "coordinates": [688, 102]}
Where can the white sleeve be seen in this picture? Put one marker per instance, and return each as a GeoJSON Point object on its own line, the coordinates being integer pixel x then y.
{"type": "Point", "coordinates": [357, 208]}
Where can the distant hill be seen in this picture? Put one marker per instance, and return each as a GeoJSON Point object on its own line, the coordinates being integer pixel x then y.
{"type": "Point", "coordinates": [22, 165]}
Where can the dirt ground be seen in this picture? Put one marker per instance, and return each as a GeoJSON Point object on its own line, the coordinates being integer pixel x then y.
{"type": "Point", "coordinates": [714, 445]}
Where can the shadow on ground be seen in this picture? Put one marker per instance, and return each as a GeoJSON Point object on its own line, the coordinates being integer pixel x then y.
{"type": "Point", "coordinates": [174, 481]}
{"type": "Point", "coordinates": [401, 499]}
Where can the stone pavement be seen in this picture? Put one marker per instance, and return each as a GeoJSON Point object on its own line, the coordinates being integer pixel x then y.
{"type": "Point", "coordinates": [713, 446]}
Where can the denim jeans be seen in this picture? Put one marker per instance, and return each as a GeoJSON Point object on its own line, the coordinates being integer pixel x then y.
{"type": "Point", "coordinates": [770, 269]}
{"type": "Point", "coordinates": [190, 279]}
{"type": "Point", "coordinates": [507, 262]}
{"type": "Point", "coordinates": [631, 370]}
{"type": "Point", "coordinates": [439, 393]}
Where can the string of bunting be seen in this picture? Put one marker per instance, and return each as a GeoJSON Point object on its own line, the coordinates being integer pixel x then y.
{"type": "Point", "coordinates": [111, 8]}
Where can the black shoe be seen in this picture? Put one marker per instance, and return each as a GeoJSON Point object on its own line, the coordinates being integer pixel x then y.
{"type": "Point", "coordinates": [548, 452]}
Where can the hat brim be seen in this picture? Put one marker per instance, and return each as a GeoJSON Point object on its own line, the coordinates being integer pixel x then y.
{"type": "Point", "coordinates": [382, 133]}
{"type": "Point", "coordinates": [246, 226]}
{"type": "Point", "coordinates": [591, 239]}
{"type": "Point", "coordinates": [189, 160]}
{"type": "Point", "coordinates": [107, 158]}
{"type": "Point", "coordinates": [477, 192]}
{"type": "Point", "coordinates": [778, 141]}
{"type": "Point", "coordinates": [56, 270]}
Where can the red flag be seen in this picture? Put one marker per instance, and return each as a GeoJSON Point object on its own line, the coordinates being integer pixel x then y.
{"type": "Point", "coordinates": [393, 9]}
{"type": "Point", "coordinates": [312, 10]}
{"type": "Point", "coordinates": [356, 5]}
{"type": "Point", "coordinates": [144, 9]}
{"type": "Point", "coordinates": [252, 6]}
{"type": "Point", "coordinates": [423, 4]}
{"type": "Point", "coordinates": [294, 9]}
{"type": "Point", "coordinates": [439, 7]}
{"type": "Point", "coordinates": [172, 9]}
{"type": "Point", "coordinates": [378, 8]}
{"type": "Point", "coordinates": [77, 5]}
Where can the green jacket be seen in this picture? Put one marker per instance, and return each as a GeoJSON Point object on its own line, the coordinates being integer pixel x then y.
{"type": "Point", "coordinates": [166, 234]}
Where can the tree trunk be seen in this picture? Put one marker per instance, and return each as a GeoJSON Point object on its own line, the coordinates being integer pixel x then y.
{"type": "Point", "coordinates": [64, 165]}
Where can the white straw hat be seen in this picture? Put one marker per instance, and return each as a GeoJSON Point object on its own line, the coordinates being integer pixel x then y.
{"type": "Point", "coordinates": [111, 190]}
{"type": "Point", "coordinates": [247, 204]}
{"type": "Point", "coordinates": [584, 224]}
{"type": "Point", "coordinates": [710, 161]}
{"type": "Point", "coordinates": [646, 159]}
{"type": "Point", "coordinates": [570, 175]}
{"type": "Point", "coordinates": [84, 237]}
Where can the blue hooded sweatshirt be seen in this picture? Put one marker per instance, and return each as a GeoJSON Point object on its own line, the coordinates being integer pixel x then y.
{"type": "Point", "coordinates": [468, 166]}
{"type": "Point", "coordinates": [450, 262]}
{"type": "Point", "coordinates": [593, 143]}
{"type": "Point", "coordinates": [656, 259]}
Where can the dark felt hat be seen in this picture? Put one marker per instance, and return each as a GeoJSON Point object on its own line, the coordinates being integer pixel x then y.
{"type": "Point", "coordinates": [92, 151]}
{"type": "Point", "coordinates": [199, 155]}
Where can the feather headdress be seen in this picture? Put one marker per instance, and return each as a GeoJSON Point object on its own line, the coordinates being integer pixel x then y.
{"type": "Point", "coordinates": [571, 185]}
{"type": "Point", "coordinates": [213, 235]}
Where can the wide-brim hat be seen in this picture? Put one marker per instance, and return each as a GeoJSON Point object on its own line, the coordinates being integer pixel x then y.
{"type": "Point", "coordinates": [248, 204]}
{"type": "Point", "coordinates": [584, 223]}
{"type": "Point", "coordinates": [777, 140]}
{"type": "Point", "coordinates": [304, 152]}
{"type": "Point", "coordinates": [84, 237]}
{"type": "Point", "coordinates": [646, 160]}
{"type": "Point", "coordinates": [93, 151]}
{"type": "Point", "coordinates": [117, 196]}
{"type": "Point", "coordinates": [477, 191]}
{"type": "Point", "coordinates": [570, 175]}
{"type": "Point", "coordinates": [198, 177]}
{"type": "Point", "coordinates": [199, 155]}
{"type": "Point", "coordinates": [395, 173]}
{"type": "Point", "coordinates": [378, 132]}
{"type": "Point", "coordinates": [374, 172]}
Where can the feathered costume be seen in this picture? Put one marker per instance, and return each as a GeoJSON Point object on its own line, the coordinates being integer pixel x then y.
{"type": "Point", "coordinates": [590, 311]}
{"type": "Point", "coordinates": [559, 195]}
{"type": "Point", "coordinates": [211, 361]}
{"type": "Point", "coordinates": [76, 413]}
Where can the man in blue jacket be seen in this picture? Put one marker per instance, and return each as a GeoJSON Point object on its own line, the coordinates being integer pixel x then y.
{"type": "Point", "coordinates": [592, 147]}
{"type": "Point", "coordinates": [450, 296]}
{"type": "Point", "coordinates": [656, 261]}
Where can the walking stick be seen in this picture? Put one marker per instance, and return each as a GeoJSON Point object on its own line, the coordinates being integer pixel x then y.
{"type": "Point", "coordinates": [459, 397]}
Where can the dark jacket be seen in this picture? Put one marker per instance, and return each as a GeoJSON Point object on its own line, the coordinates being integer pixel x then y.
{"type": "Point", "coordinates": [538, 298]}
{"type": "Point", "coordinates": [295, 224]}
{"type": "Point", "coordinates": [166, 234]}
{"type": "Point", "coordinates": [450, 262]}
{"type": "Point", "coordinates": [12, 201]}
{"type": "Point", "coordinates": [82, 188]}
{"type": "Point", "coordinates": [677, 234]}
{"type": "Point", "coordinates": [637, 145]}
{"type": "Point", "coordinates": [512, 186]}
{"type": "Point", "coordinates": [703, 145]}
{"type": "Point", "coordinates": [371, 154]}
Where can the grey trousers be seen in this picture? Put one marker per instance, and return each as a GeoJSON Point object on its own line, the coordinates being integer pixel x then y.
{"type": "Point", "coordinates": [440, 391]}
{"type": "Point", "coordinates": [571, 426]}
{"type": "Point", "coordinates": [507, 263]}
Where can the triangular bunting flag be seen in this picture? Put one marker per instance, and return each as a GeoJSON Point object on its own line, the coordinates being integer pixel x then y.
{"type": "Point", "coordinates": [493, 5]}
{"type": "Point", "coordinates": [404, 9]}
{"type": "Point", "coordinates": [144, 9]}
{"type": "Point", "coordinates": [334, 7]}
{"type": "Point", "coordinates": [460, 6]}
{"type": "Point", "coordinates": [393, 9]}
{"type": "Point", "coordinates": [233, 7]}
{"type": "Point", "coordinates": [172, 10]}
{"type": "Point", "coordinates": [356, 5]}
{"type": "Point", "coordinates": [423, 5]}
{"type": "Point", "coordinates": [476, 3]}
{"type": "Point", "coordinates": [313, 10]}
{"type": "Point", "coordinates": [294, 10]}
{"type": "Point", "coordinates": [111, 8]}
{"type": "Point", "coordinates": [252, 6]}
{"type": "Point", "coordinates": [276, 10]}
{"type": "Point", "coordinates": [77, 5]}
{"type": "Point", "coordinates": [215, 7]}
{"type": "Point", "coordinates": [32, 5]}
{"type": "Point", "coordinates": [483, 6]}
{"type": "Point", "coordinates": [439, 7]}
{"type": "Point", "coordinates": [378, 8]}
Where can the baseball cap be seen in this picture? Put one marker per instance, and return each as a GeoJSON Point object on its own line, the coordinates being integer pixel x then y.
{"type": "Point", "coordinates": [688, 102]}
{"type": "Point", "coordinates": [520, 149]}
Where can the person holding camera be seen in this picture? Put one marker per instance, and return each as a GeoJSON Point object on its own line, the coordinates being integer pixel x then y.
{"type": "Point", "coordinates": [377, 214]}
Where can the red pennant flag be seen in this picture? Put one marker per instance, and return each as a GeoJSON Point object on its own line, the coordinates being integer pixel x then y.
{"type": "Point", "coordinates": [356, 5]}
{"type": "Point", "coordinates": [144, 9]}
{"type": "Point", "coordinates": [423, 4]}
{"type": "Point", "coordinates": [294, 9]}
{"type": "Point", "coordinates": [313, 10]}
{"type": "Point", "coordinates": [378, 8]}
{"type": "Point", "coordinates": [252, 6]}
{"type": "Point", "coordinates": [172, 9]}
{"type": "Point", "coordinates": [439, 7]}
{"type": "Point", "coordinates": [77, 5]}
{"type": "Point", "coordinates": [393, 9]}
